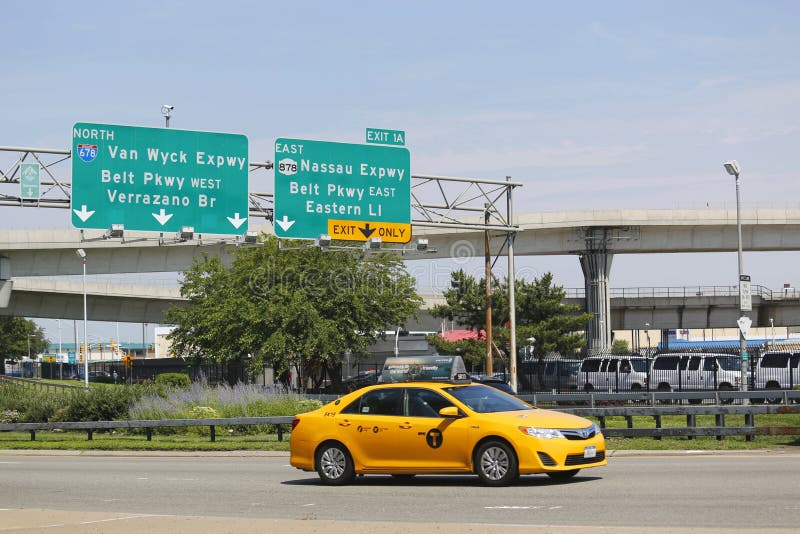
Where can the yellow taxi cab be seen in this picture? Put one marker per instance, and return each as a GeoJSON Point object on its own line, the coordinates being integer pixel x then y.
{"type": "Point", "coordinates": [430, 418]}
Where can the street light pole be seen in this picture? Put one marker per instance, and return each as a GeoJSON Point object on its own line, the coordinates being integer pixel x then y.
{"type": "Point", "coordinates": [732, 168]}
{"type": "Point", "coordinates": [82, 255]}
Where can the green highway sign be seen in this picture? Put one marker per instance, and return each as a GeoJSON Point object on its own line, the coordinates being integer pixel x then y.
{"type": "Point", "coordinates": [160, 180]}
{"type": "Point", "coordinates": [386, 137]}
{"type": "Point", "coordinates": [29, 181]}
{"type": "Point", "coordinates": [348, 191]}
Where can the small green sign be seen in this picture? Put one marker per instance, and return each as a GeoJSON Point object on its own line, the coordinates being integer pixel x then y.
{"type": "Point", "coordinates": [348, 191]}
{"type": "Point", "coordinates": [386, 137]}
{"type": "Point", "coordinates": [160, 180]}
{"type": "Point", "coordinates": [29, 180]}
{"type": "Point", "coordinates": [745, 356]}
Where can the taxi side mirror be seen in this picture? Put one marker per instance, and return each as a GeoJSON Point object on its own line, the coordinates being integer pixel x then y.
{"type": "Point", "coordinates": [449, 411]}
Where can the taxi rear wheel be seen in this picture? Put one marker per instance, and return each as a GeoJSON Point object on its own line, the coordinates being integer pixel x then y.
{"type": "Point", "coordinates": [563, 475]}
{"type": "Point", "coordinates": [496, 464]}
{"type": "Point", "coordinates": [334, 464]}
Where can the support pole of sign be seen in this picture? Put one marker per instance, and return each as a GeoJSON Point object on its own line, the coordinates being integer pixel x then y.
{"type": "Point", "coordinates": [488, 260]}
{"type": "Point", "coordinates": [512, 308]}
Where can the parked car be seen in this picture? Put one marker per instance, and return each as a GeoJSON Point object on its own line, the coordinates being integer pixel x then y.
{"type": "Point", "coordinates": [498, 383]}
{"type": "Point", "coordinates": [613, 373]}
{"type": "Point", "coordinates": [777, 370]}
{"type": "Point", "coordinates": [559, 374]}
{"type": "Point", "coordinates": [695, 372]}
{"type": "Point", "coordinates": [94, 376]}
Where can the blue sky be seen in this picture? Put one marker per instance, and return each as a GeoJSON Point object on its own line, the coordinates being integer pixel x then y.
{"type": "Point", "coordinates": [592, 105]}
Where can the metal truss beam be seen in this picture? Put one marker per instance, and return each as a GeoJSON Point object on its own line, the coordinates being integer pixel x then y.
{"type": "Point", "coordinates": [436, 201]}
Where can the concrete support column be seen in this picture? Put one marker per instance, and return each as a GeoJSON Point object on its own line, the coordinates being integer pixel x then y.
{"type": "Point", "coordinates": [5, 281]}
{"type": "Point", "coordinates": [596, 266]}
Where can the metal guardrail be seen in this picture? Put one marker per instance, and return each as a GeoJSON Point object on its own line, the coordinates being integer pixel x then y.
{"type": "Point", "coordinates": [689, 291]}
{"type": "Point", "coordinates": [38, 384]}
{"type": "Point", "coordinates": [149, 424]}
{"type": "Point", "coordinates": [653, 398]}
{"type": "Point", "coordinates": [691, 429]}
{"type": "Point", "coordinates": [598, 405]}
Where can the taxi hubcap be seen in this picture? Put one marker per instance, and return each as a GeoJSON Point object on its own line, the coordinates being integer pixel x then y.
{"type": "Point", "coordinates": [494, 463]}
{"type": "Point", "coordinates": [333, 462]}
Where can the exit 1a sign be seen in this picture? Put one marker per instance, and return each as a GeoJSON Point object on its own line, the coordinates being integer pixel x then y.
{"type": "Point", "coordinates": [156, 179]}
{"type": "Point", "coordinates": [386, 137]}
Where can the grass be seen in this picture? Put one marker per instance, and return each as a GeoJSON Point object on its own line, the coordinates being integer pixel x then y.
{"type": "Point", "coordinates": [121, 441]}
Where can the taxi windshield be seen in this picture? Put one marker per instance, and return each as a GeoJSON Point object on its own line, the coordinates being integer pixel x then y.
{"type": "Point", "coordinates": [485, 399]}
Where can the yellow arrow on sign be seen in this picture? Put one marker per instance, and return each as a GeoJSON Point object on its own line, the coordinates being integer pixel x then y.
{"type": "Point", "coordinates": [363, 230]}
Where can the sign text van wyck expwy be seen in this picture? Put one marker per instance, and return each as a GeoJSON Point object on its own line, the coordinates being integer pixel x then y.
{"type": "Point", "coordinates": [160, 180]}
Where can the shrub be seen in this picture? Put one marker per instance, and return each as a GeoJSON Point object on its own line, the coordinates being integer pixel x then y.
{"type": "Point", "coordinates": [178, 380]}
{"type": "Point", "coordinates": [203, 412]}
{"type": "Point", "coordinates": [9, 416]}
{"type": "Point", "coordinates": [98, 404]}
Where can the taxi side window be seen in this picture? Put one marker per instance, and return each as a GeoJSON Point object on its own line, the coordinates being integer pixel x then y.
{"type": "Point", "coordinates": [425, 403]}
{"type": "Point", "coordinates": [378, 402]}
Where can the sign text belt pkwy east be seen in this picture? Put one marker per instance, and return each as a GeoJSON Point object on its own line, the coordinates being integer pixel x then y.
{"type": "Point", "coordinates": [348, 191]}
{"type": "Point", "coordinates": [155, 179]}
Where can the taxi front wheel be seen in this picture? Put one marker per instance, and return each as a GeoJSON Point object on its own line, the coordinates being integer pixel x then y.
{"type": "Point", "coordinates": [334, 464]}
{"type": "Point", "coordinates": [496, 464]}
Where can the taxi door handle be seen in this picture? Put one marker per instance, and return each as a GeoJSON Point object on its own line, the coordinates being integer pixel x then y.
{"type": "Point", "coordinates": [406, 425]}
{"type": "Point", "coordinates": [344, 423]}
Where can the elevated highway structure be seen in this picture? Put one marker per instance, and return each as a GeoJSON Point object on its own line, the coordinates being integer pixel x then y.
{"type": "Point", "coordinates": [593, 236]}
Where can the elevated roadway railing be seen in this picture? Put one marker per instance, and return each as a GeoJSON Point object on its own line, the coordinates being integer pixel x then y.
{"type": "Point", "coordinates": [689, 292]}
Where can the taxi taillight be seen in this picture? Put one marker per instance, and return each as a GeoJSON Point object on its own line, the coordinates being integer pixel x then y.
{"type": "Point", "coordinates": [295, 422]}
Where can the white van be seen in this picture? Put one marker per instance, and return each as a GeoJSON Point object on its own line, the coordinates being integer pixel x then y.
{"type": "Point", "coordinates": [778, 370]}
{"type": "Point", "coordinates": [695, 371]}
{"type": "Point", "coordinates": [613, 373]}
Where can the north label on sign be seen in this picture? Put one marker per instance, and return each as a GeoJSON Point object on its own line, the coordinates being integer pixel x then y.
{"type": "Point", "coordinates": [320, 184]}
{"type": "Point", "coordinates": [156, 179]}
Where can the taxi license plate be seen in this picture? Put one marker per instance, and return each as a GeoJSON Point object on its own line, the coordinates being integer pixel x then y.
{"type": "Point", "coordinates": [590, 452]}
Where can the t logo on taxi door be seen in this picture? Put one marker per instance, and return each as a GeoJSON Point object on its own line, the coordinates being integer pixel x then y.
{"type": "Point", "coordinates": [434, 438]}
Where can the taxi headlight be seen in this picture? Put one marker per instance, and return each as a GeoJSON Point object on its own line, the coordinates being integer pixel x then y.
{"type": "Point", "coordinates": [597, 430]}
{"type": "Point", "coordinates": [543, 433]}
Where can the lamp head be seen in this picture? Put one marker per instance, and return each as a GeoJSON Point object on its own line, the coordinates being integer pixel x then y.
{"type": "Point", "coordinates": [732, 167]}
{"type": "Point", "coordinates": [81, 253]}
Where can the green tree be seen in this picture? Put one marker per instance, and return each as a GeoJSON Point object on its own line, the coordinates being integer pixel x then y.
{"type": "Point", "coordinates": [15, 333]}
{"type": "Point", "coordinates": [303, 307]}
{"type": "Point", "coordinates": [540, 312]}
{"type": "Point", "coordinates": [473, 351]}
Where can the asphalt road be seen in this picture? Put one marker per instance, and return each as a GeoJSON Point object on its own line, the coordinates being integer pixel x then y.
{"type": "Point", "coordinates": [728, 491]}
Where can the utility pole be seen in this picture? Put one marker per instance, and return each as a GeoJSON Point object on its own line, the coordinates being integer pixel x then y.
{"type": "Point", "coordinates": [488, 261]}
